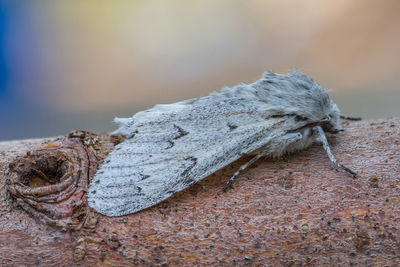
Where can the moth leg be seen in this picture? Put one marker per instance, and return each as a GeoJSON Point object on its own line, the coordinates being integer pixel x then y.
{"type": "Point", "coordinates": [242, 168]}
{"type": "Point", "coordinates": [320, 136]}
{"type": "Point", "coordinates": [345, 117]}
{"type": "Point", "coordinates": [283, 142]}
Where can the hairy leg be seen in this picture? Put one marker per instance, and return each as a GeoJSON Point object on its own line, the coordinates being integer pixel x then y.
{"type": "Point", "coordinates": [320, 136]}
{"type": "Point", "coordinates": [281, 143]}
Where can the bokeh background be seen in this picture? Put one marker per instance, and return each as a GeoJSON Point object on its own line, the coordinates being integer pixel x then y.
{"type": "Point", "coordinates": [72, 64]}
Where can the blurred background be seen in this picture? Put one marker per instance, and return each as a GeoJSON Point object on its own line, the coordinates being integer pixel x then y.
{"type": "Point", "coordinates": [70, 64]}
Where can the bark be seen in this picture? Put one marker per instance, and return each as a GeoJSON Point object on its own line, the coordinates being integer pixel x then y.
{"type": "Point", "coordinates": [298, 210]}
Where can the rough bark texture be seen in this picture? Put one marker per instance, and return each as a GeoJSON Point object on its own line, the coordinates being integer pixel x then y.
{"type": "Point", "coordinates": [294, 211]}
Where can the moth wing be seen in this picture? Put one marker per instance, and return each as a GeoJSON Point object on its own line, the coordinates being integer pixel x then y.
{"type": "Point", "coordinates": [170, 147]}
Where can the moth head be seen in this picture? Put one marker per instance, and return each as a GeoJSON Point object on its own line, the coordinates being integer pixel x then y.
{"type": "Point", "coordinates": [331, 122]}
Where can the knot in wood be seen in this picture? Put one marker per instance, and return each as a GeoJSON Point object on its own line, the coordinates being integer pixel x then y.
{"type": "Point", "coordinates": [51, 182]}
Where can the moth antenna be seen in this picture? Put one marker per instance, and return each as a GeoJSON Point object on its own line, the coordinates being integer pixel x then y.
{"type": "Point", "coordinates": [322, 138]}
{"type": "Point", "coordinates": [345, 117]}
{"type": "Point", "coordinates": [242, 168]}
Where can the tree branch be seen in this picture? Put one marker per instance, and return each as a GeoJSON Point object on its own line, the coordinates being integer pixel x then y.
{"type": "Point", "coordinates": [298, 210]}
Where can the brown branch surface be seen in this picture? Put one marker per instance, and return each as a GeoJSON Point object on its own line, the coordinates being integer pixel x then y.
{"type": "Point", "coordinates": [298, 210]}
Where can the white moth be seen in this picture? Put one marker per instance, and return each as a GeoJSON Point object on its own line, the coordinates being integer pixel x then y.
{"type": "Point", "coordinates": [170, 147]}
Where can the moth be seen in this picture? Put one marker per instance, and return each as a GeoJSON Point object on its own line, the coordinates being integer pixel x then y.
{"type": "Point", "coordinates": [172, 146]}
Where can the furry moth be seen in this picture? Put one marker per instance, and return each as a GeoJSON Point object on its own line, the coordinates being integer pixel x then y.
{"type": "Point", "coordinates": [170, 147]}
